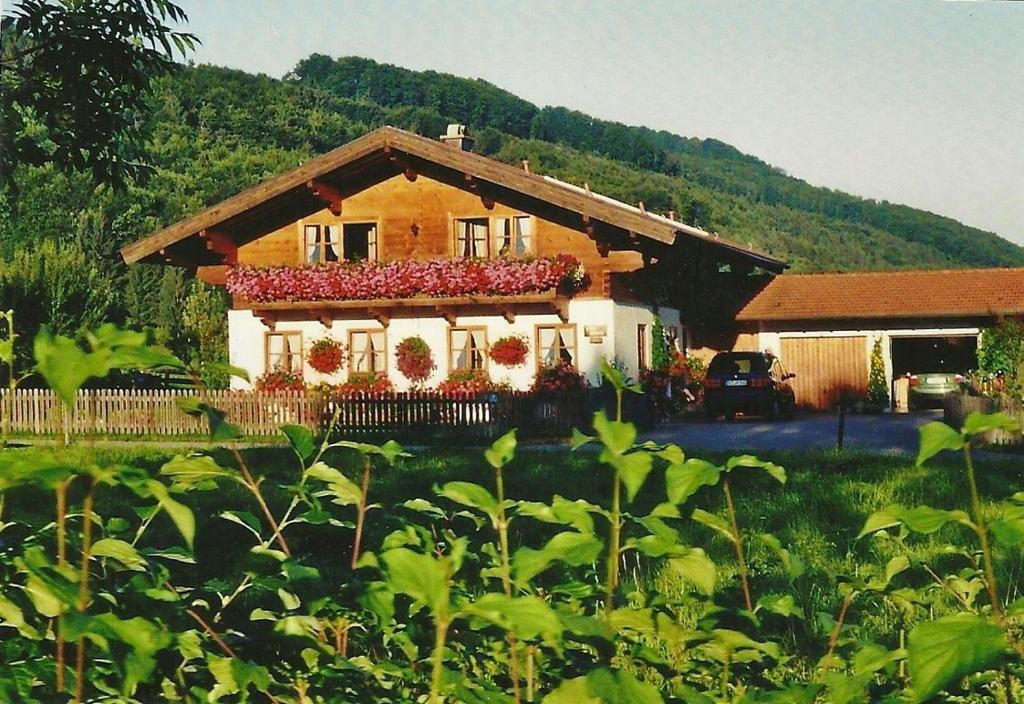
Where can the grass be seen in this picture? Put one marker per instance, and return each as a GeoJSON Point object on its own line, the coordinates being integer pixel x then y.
{"type": "Point", "coordinates": [817, 514]}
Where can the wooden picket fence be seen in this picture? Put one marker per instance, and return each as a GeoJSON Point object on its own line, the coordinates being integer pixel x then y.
{"type": "Point", "coordinates": [958, 406]}
{"type": "Point", "coordinates": [421, 416]}
{"type": "Point", "coordinates": [134, 413]}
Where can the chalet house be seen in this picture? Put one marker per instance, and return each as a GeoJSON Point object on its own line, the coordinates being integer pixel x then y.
{"type": "Point", "coordinates": [356, 244]}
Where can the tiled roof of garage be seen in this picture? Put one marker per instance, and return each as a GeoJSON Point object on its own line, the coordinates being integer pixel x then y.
{"type": "Point", "coordinates": [890, 294]}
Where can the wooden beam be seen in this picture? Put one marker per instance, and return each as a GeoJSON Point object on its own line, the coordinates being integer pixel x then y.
{"type": "Point", "coordinates": [220, 243]}
{"type": "Point", "coordinates": [381, 315]}
{"type": "Point", "coordinates": [509, 314]}
{"type": "Point", "coordinates": [448, 313]}
{"type": "Point", "coordinates": [269, 323]}
{"type": "Point", "coordinates": [410, 173]}
{"type": "Point", "coordinates": [324, 319]}
{"type": "Point", "coordinates": [327, 193]}
{"type": "Point", "coordinates": [487, 201]}
{"type": "Point", "coordinates": [216, 275]}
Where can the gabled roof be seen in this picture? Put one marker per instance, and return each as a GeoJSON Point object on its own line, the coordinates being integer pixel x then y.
{"type": "Point", "coordinates": [891, 294]}
{"type": "Point", "coordinates": [387, 152]}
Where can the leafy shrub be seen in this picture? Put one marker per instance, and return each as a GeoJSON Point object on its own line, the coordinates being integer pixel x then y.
{"type": "Point", "coordinates": [1001, 349]}
{"type": "Point", "coordinates": [414, 359]}
{"type": "Point", "coordinates": [115, 598]}
{"type": "Point", "coordinates": [878, 390]}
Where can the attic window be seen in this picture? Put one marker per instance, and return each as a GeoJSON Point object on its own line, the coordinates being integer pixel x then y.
{"type": "Point", "coordinates": [351, 241]}
{"type": "Point", "coordinates": [471, 235]}
{"type": "Point", "coordinates": [323, 243]}
{"type": "Point", "coordinates": [513, 236]}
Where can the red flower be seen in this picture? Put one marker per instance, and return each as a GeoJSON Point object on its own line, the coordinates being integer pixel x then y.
{"type": "Point", "coordinates": [326, 355]}
{"type": "Point", "coordinates": [364, 280]}
{"type": "Point", "coordinates": [280, 380]}
{"type": "Point", "coordinates": [558, 378]}
{"type": "Point", "coordinates": [510, 351]}
{"type": "Point", "coordinates": [369, 383]}
{"type": "Point", "coordinates": [414, 359]}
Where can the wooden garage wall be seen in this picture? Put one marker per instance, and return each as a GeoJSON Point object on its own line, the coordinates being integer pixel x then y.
{"type": "Point", "coordinates": [826, 368]}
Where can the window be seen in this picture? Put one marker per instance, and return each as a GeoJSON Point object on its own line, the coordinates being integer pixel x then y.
{"type": "Point", "coordinates": [367, 351]}
{"type": "Point", "coordinates": [556, 344]}
{"type": "Point", "coordinates": [332, 243]}
{"type": "Point", "coordinates": [467, 348]}
{"type": "Point", "coordinates": [641, 346]}
{"type": "Point", "coordinates": [323, 243]}
{"type": "Point", "coordinates": [672, 338]}
{"type": "Point", "coordinates": [360, 240]}
{"type": "Point", "coordinates": [471, 235]}
{"type": "Point", "coordinates": [512, 236]}
{"type": "Point", "coordinates": [284, 351]}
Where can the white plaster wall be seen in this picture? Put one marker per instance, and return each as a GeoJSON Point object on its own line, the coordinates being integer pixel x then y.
{"type": "Point", "coordinates": [246, 340]}
{"type": "Point", "coordinates": [626, 318]}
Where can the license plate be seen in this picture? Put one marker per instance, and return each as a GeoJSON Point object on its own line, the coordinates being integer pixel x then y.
{"type": "Point", "coordinates": [936, 380]}
{"type": "Point", "coordinates": [735, 382]}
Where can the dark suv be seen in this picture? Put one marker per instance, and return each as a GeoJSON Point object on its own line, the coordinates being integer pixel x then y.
{"type": "Point", "coordinates": [748, 383]}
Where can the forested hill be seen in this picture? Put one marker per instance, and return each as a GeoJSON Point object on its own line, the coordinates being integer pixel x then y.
{"type": "Point", "coordinates": [215, 131]}
{"type": "Point", "coordinates": [722, 188]}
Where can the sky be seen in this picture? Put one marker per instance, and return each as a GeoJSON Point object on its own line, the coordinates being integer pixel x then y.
{"type": "Point", "coordinates": [912, 101]}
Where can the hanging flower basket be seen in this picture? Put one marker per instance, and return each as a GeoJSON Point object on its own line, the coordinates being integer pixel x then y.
{"type": "Point", "coordinates": [510, 351]}
{"type": "Point", "coordinates": [280, 380]}
{"type": "Point", "coordinates": [326, 355]}
{"type": "Point", "coordinates": [414, 359]}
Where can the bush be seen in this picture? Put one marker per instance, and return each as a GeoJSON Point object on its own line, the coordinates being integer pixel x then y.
{"type": "Point", "coordinates": [878, 390]}
{"type": "Point", "coordinates": [1001, 349]}
{"type": "Point", "coordinates": [368, 383]}
{"type": "Point", "coordinates": [467, 382]}
{"type": "Point", "coordinates": [557, 378]}
{"type": "Point", "coordinates": [280, 380]}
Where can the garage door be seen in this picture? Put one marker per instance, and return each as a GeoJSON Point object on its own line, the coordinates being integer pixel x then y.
{"type": "Point", "coordinates": [826, 368]}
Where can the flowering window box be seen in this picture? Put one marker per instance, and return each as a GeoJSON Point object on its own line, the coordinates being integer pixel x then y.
{"type": "Point", "coordinates": [369, 281]}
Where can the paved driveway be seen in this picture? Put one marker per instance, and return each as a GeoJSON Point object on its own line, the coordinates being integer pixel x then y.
{"type": "Point", "coordinates": [886, 433]}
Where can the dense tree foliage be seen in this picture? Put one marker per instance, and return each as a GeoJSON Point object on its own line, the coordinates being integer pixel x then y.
{"type": "Point", "coordinates": [75, 76]}
{"type": "Point", "coordinates": [213, 131]}
{"type": "Point", "coordinates": [708, 163]}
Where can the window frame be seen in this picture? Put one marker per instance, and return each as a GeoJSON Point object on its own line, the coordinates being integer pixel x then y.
{"type": "Point", "coordinates": [352, 353]}
{"type": "Point", "coordinates": [643, 345]}
{"type": "Point", "coordinates": [268, 334]}
{"type": "Point", "coordinates": [322, 245]}
{"type": "Point", "coordinates": [491, 242]}
{"type": "Point", "coordinates": [574, 353]}
{"type": "Point", "coordinates": [468, 329]}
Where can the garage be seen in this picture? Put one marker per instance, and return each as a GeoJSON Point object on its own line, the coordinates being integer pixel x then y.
{"type": "Point", "coordinates": [827, 368]}
{"type": "Point", "coordinates": [824, 327]}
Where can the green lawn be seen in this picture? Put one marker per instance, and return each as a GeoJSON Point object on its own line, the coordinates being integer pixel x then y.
{"type": "Point", "coordinates": [817, 514]}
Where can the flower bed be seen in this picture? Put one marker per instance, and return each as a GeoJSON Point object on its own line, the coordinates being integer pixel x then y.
{"type": "Point", "coordinates": [435, 278]}
{"type": "Point", "coordinates": [367, 383]}
{"type": "Point", "coordinates": [280, 380]}
{"type": "Point", "coordinates": [510, 351]}
{"type": "Point", "coordinates": [557, 379]}
{"type": "Point", "coordinates": [467, 382]}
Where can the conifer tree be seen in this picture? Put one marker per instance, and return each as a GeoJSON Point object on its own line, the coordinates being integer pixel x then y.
{"type": "Point", "coordinates": [878, 390]}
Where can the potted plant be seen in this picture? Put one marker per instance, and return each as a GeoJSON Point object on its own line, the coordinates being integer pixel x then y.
{"type": "Point", "coordinates": [510, 351]}
{"type": "Point", "coordinates": [326, 355]}
{"type": "Point", "coordinates": [414, 359]}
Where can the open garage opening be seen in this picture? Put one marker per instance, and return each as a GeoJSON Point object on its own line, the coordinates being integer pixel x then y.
{"type": "Point", "coordinates": [925, 369]}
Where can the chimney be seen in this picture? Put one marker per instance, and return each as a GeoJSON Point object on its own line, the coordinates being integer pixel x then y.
{"type": "Point", "coordinates": [456, 136]}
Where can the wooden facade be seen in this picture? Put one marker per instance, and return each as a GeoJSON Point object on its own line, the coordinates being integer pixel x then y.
{"type": "Point", "coordinates": [417, 220]}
